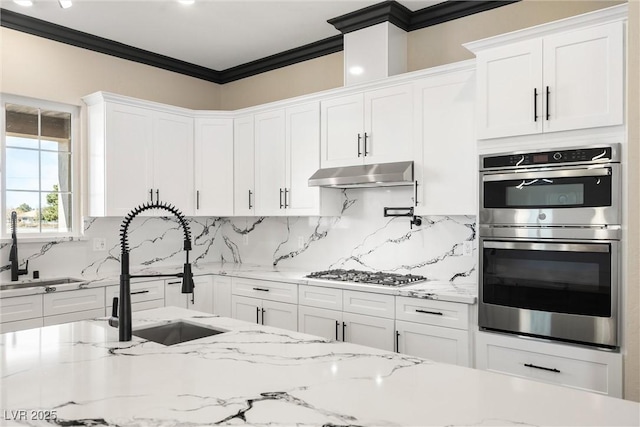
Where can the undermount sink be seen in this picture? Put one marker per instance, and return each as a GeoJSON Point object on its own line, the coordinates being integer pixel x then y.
{"type": "Point", "coordinates": [40, 283]}
{"type": "Point", "coordinates": [175, 332]}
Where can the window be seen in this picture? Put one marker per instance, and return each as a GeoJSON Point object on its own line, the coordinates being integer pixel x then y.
{"type": "Point", "coordinates": [38, 153]}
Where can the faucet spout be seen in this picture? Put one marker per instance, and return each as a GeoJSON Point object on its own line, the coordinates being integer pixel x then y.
{"type": "Point", "coordinates": [124, 302]}
{"type": "Point", "coordinates": [16, 271]}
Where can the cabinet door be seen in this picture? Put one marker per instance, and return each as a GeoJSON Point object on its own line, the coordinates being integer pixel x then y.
{"type": "Point", "coordinates": [247, 309]}
{"type": "Point", "coordinates": [222, 296]}
{"type": "Point", "coordinates": [173, 161]}
{"type": "Point", "coordinates": [270, 163]}
{"type": "Point", "coordinates": [320, 321]}
{"type": "Point", "coordinates": [21, 325]}
{"type": "Point", "coordinates": [302, 159]}
{"type": "Point", "coordinates": [280, 315]}
{"type": "Point", "coordinates": [213, 163]}
{"type": "Point", "coordinates": [73, 301]}
{"type": "Point", "coordinates": [368, 330]}
{"type": "Point", "coordinates": [388, 124]}
{"type": "Point", "coordinates": [202, 298]}
{"type": "Point", "coordinates": [128, 160]}
{"type": "Point", "coordinates": [243, 166]}
{"type": "Point", "coordinates": [173, 295]}
{"type": "Point", "coordinates": [445, 108]}
{"type": "Point", "coordinates": [444, 345]}
{"type": "Point", "coordinates": [20, 308]}
{"type": "Point", "coordinates": [584, 73]}
{"type": "Point", "coordinates": [342, 131]}
{"type": "Point", "coordinates": [509, 92]}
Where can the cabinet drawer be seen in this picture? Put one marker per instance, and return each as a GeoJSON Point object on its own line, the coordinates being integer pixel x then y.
{"type": "Point", "coordinates": [140, 291]}
{"type": "Point", "coordinates": [316, 296]}
{"type": "Point", "coordinates": [21, 325]}
{"type": "Point", "coordinates": [263, 289]}
{"type": "Point", "coordinates": [20, 308]}
{"type": "Point", "coordinates": [430, 312]}
{"type": "Point", "coordinates": [72, 301]}
{"type": "Point", "coordinates": [584, 369]}
{"type": "Point", "coordinates": [73, 317]}
{"type": "Point", "coordinates": [139, 306]}
{"type": "Point", "coordinates": [369, 304]}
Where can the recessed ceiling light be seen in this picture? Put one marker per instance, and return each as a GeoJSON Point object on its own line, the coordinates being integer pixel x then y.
{"type": "Point", "coordinates": [65, 4]}
{"type": "Point", "coordinates": [23, 2]}
{"type": "Point", "coordinates": [187, 2]}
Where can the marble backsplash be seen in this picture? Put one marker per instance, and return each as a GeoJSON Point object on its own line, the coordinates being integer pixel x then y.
{"type": "Point", "coordinates": [360, 238]}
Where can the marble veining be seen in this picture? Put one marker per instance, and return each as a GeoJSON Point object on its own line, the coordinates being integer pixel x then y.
{"type": "Point", "coordinates": [262, 376]}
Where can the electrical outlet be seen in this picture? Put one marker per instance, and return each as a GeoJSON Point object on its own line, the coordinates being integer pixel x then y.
{"type": "Point", "coordinates": [300, 242]}
{"type": "Point", "coordinates": [245, 239]}
{"type": "Point", "coordinates": [467, 248]}
{"type": "Point", "coordinates": [99, 244]}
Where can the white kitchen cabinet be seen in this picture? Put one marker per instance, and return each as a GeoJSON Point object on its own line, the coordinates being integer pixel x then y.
{"type": "Point", "coordinates": [322, 322]}
{"type": "Point", "coordinates": [561, 81]}
{"type": "Point", "coordinates": [435, 330]}
{"type": "Point", "coordinates": [265, 312]}
{"type": "Point", "coordinates": [144, 295]}
{"type": "Point", "coordinates": [371, 127]}
{"type": "Point", "coordinates": [222, 296]}
{"type": "Point", "coordinates": [15, 309]}
{"type": "Point", "coordinates": [265, 289]}
{"type": "Point", "coordinates": [203, 295]}
{"type": "Point", "coordinates": [270, 163]}
{"type": "Point", "coordinates": [56, 303]}
{"type": "Point", "coordinates": [445, 157]}
{"type": "Point", "coordinates": [21, 325]}
{"type": "Point", "coordinates": [138, 152]}
{"type": "Point", "coordinates": [371, 331]}
{"type": "Point", "coordinates": [577, 367]}
{"type": "Point", "coordinates": [77, 316]}
{"type": "Point", "coordinates": [213, 166]}
{"type": "Point", "coordinates": [243, 166]}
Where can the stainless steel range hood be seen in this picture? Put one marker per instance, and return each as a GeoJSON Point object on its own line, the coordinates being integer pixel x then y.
{"type": "Point", "coordinates": [377, 175]}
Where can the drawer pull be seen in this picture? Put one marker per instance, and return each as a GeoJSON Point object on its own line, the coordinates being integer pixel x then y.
{"type": "Point", "coordinates": [261, 289]}
{"type": "Point", "coordinates": [437, 313]}
{"type": "Point", "coordinates": [140, 292]}
{"type": "Point", "coordinates": [529, 365]}
{"type": "Point", "coordinates": [174, 283]}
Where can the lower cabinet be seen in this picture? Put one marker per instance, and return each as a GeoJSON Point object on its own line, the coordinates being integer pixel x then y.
{"type": "Point", "coordinates": [73, 306]}
{"type": "Point", "coordinates": [17, 313]}
{"type": "Point", "coordinates": [201, 299]}
{"type": "Point", "coordinates": [577, 367]}
{"type": "Point", "coordinates": [222, 296]}
{"type": "Point", "coordinates": [435, 343]}
{"type": "Point", "coordinates": [144, 295]}
{"type": "Point", "coordinates": [264, 312]}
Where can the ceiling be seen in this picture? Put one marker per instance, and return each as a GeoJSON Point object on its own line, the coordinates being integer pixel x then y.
{"type": "Point", "coordinates": [215, 34]}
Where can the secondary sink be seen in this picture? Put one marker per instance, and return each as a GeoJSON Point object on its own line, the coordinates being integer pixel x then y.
{"type": "Point", "coordinates": [40, 283]}
{"type": "Point", "coordinates": [175, 332]}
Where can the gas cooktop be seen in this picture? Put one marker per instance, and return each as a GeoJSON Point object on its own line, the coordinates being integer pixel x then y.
{"type": "Point", "coordinates": [370, 277]}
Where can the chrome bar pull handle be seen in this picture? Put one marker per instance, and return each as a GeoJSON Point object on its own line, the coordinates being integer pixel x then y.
{"type": "Point", "coordinates": [366, 152]}
{"type": "Point", "coordinates": [535, 104]}
{"type": "Point", "coordinates": [548, 96]}
{"type": "Point", "coordinates": [281, 204]}
{"type": "Point", "coordinates": [250, 193]}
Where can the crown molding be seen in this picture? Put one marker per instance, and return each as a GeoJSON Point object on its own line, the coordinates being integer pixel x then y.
{"type": "Point", "coordinates": [390, 11]}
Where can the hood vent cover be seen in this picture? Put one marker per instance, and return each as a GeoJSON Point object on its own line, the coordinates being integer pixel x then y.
{"type": "Point", "coordinates": [377, 175]}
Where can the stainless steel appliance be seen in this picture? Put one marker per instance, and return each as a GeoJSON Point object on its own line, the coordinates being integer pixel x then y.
{"type": "Point", "coordinates": [550, 244]}
{"type": "Point", "coordinates": [368, 277]}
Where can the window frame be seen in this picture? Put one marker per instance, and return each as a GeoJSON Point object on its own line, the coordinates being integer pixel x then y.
{"type": "Point", "coordinates": [75, 146]}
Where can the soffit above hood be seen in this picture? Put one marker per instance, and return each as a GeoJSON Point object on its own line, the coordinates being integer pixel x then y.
{"type": "Point", "coordinates": [376, 175]}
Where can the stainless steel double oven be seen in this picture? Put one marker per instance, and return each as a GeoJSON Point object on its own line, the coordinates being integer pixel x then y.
{"type": "Point", "coordinates": [550, 228]}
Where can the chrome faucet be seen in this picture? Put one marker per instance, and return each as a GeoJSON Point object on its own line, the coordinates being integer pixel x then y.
{"type": "Point", "coordinates": [123, 321]}
{"type": "Point", "coordinates": [13, 253]}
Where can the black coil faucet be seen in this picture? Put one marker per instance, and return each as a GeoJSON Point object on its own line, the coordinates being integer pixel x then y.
{"type": "Point", "coordinates": [13, 253]}
{"type": "Point", "coordinates": [123, 320]}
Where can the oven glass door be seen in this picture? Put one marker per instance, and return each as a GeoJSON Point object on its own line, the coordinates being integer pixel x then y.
{"type": "Point", "coordinates": [548, 189]}
{"type": "Point", "coordinates": [573, 278]}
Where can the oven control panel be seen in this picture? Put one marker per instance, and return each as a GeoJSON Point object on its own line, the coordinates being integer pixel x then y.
{"type": "Point", "coordinates": [545, 158]}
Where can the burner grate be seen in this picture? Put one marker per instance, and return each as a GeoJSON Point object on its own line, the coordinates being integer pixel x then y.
{"type": "Point", "coordinates": [369, 277]}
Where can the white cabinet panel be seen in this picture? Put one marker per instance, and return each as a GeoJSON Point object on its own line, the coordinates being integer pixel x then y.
{"type": "Point", "coordinates": [222, 296]}
{"type": "Point", "coordinates": [445, 164]}
{"type": "Point", "coordinates": [270, 163]}
{"type": "Point", "coordinates": [73, 301]}
{"type": "Point", "coordinates": [20, 308]}
{"type": "Point", "coordinates": [202, 297]}
{"type": "Point", "coordinates": [244, 308]}
{"type": "Point", "coordinates": [437, 313]}
{"type": "Point", "coordinates": [280, 315]}
{"type": "Point", "coordinates": [264, 289]}
{"type": "Point", "coordinates": [320, 321]}
{"type": "Point", "coordinates": [317, 296]}
{"type": "Point", "coordinates": [368, 330]}
{"type": "Point", "coordinates": [21, 325]}
{"type": "Point", "coordinates": [138, 306]}
{"type": "Point", "coordinates": [243, 166]}
{"type": "Point", "coordinates": [140, 291]}
{"type": "Point", "coordinates": [213, 165]}
{"type": "Point", "coordinates": [173, 296]}
{"type": "Point", "coordinates": [73, 317]}
{"type": "Point", "coordinates": [342, 131]}
{"type": "Point", "coordinates": [444, 345]}
{"type": "Point", "coordinates": [369, 304]}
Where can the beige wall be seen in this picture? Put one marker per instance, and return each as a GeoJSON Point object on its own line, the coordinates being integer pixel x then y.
{"type": "Point", "coordinates": [40, 68]}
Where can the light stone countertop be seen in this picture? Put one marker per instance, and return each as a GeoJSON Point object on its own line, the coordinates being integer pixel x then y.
{"type": "Point", "coordinates": [444, 291]}
{"type": "Point", "coordinates": [257, 375]}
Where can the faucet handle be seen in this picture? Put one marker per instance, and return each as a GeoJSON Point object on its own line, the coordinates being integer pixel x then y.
{"type": "Point", "coordinates": [113, 320]}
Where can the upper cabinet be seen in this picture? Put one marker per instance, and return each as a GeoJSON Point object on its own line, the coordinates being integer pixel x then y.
{"type": "Point", "coordinates": [287, 153]}
{"type": "Point", "coordinates": [566, 80]}
{"type": "Point", "coordinates": [371, 127]}
{"type": "Point", "coordinates": [137, 154]}
{"type": "Point", "coordinates": [445, 157]}
{"type": "Point", "coordinates": [243, 166]}
{"type": "Point", "coordinates": [213, 166]}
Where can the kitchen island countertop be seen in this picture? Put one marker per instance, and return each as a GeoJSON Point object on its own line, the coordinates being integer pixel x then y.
{"type": "Point", "coordinates": [258, 375]}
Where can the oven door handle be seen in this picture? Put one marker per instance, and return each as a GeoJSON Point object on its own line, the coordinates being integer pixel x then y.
{"type": "Point", "coordinates": [560, 247]}
{"type": "Point", "coordinates": [567, 173]}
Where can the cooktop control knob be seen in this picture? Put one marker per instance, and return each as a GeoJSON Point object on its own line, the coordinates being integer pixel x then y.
{"type": "Point", "coordinates": [557, 156]}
